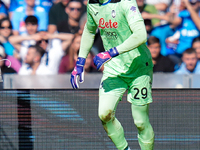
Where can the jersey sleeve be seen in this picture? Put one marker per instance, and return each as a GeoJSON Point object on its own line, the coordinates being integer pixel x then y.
{"type": "Point", "coordinates": [88, 35]}
{"type": "Point", "coordinates": [136, 24]}
{"type": "Point", "coordinates": [131, 11]}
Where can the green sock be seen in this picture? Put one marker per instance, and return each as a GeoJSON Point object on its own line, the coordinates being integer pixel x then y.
{"type": "Point", "coordinates": [115, 131]}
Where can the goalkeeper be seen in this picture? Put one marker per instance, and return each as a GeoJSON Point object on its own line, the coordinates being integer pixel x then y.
{"type": "Point", "coordinates": [127, 66]}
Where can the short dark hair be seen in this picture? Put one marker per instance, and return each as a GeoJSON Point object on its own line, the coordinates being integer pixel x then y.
{"type": "Point", "coordinates": [197, 39]}
{"type": "Point", "coordinates": [189, 51]}
{"type": "Point", "coordinates": [153, 40]}
{"type": "Point", "coordinates": [38, 49]}
{"type": "Point", "coordinates": [31, 19]}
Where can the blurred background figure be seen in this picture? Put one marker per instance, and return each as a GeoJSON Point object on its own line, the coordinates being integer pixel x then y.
{"type": "Point", "coordinates": [67, 63]}
{"type": "Point", "coordinates": [10, 64]}
{"type": "Point", "coordinates": [148, 9]}
{"type": "Point", "coordinates": [74, 9]}
{"type": "Point", "coordinates": [186, 29]}
{"type": "Point", "coordinates": [29, 8]}
{"type": "Point", "coordinates": [161, 63]}
{"type": "Point", "coordinates": [3, 10]}
{"type": "Point", "coordinates": [196, 46]}
{"type": "Point", "coordinates": [46, 4]}
{"type": "Point", "coordinates": [53, 46]}
{"type": "Point", "coordinates": [33, 62]}
{"type": "Point", "coordinates": [160, 5]}
{"type": "Point", "coordinates": [5, 33]}
{"type": "Point", "coordinates": [56, 15]}
{"type": "Point", "coordinates": [190, 62]}
{"type": "Point", "coordinates": [22, 42]}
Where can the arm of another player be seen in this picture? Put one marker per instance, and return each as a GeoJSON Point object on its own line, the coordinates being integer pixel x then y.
{"type": "Point", "coordinates": [87, 40]}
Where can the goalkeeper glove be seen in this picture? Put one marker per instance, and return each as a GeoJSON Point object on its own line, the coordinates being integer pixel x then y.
{"type": "Point", "coordinates": [78, 72]}
{"type": "Point", "coordinates": [103, 57]}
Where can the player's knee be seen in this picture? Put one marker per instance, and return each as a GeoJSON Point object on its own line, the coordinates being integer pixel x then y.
{"type": "Point", "coordinates": [106, 116]}
{"type": "Point", "coordinates": [140, 125]}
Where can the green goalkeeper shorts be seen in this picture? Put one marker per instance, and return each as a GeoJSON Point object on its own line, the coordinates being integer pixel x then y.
{"type": "Point", "coordinates": [139, 88]}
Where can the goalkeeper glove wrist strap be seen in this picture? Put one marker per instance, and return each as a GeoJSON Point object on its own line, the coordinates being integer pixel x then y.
{"type": "Point", "coordinates": [113, 52]}
{"type": "Point", "coordinates": [80, 61]}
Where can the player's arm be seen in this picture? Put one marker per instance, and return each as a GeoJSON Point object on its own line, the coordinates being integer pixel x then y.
{"type": "Point", "coordinates": [87, 41]}
{"type": "Point", "coordinates": [138, 37]}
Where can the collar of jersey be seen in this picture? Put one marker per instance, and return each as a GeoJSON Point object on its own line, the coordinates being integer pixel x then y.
{"type": "Point", "coordinates": [105, 3]}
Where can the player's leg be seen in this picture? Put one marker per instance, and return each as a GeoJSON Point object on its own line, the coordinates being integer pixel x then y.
{"type": "Point", "coordinates": [145, 130]}
{"type": "Point", "coordinates": [140, 96]}
{"type": "Point", "coordinates": [109, 96]}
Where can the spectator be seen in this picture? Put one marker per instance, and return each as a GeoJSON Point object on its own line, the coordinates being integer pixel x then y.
{"type": "Point", "coordinates": [186, 30]}
{"type": "Point", "coordinates": [190, 62]}
{"type": "Point", "coordinates": [196, 46]}
{"type": "Point", "coordinates": [3, 10]}
{"type": "Point", "coordinates": [161, 63]}
{"type": "Point", "coordinates": [166, 31]}
{"type": "Point", "coordinates": [53, 48]}
{"type": "Point", "coordinates": [67, 63]}
{"type": "Point", "coordinates": [33, 62]}
{"type": "Point", "coordinates": [56, 1]}
{"type": "Point", "coordinates": [46, 4]}
{"type": "Point", "coordinates": [161, 5]}
{"type": "Point", "coordinates": [22, 42]}
{"type": "Point", "coordinates": [57, 14]}
{"type": "Point", "coordinates": [82, 22]}
{"type": "Point", "coordinates": [149, 9]}
{"type": "Point", "coordinates": [74, 10]}
{"type": "Point", "coordinates": [8, 64]}
{"type": "Point", "coordinates": [194, 11]}
{"type": "Point", "coordinates": [22, 12]}
{"type": "Point", "coordinates": [14, 4]}
{"type": "Point", "coordinates": [5, 33]}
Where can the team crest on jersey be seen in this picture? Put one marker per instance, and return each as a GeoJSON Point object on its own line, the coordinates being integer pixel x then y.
{"type": "Point", "coordinates": [113, 13]}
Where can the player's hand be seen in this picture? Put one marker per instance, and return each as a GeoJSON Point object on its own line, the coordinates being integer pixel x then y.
{"type": "Point", "coordinates": [78, 72]}
{"type": "Point", "coordinates": [104, 57]}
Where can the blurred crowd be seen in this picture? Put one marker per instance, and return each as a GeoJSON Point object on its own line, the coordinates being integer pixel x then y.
{"type": "Point", "coordinates": [42, 37]}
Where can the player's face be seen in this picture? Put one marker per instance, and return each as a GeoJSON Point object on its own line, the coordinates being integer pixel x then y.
{"type": "Point", "coordinates": [29, 59]}
{"type": "Point", "coordinates": [190, 60]}
{"type": "Point", "coordinates": [74, 10]}
{"type": "Point", "coordinates": [31, 28]}
{"type": "Point", "coordinates": [5, 29]}
{"type": "Point", "coordinates": [155, 50]}
{"type": "Point", "coordinates": [196, 46]}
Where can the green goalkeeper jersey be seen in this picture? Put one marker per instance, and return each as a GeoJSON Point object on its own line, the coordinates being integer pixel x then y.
{"type": "Point", "coordinates": [121, 25]}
